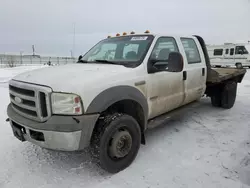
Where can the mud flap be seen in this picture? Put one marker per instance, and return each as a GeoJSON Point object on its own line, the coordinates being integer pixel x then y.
{"type": "Point", "coordinates": [229, 95]}
{"type": "Point", "coordinates": [18, 133]}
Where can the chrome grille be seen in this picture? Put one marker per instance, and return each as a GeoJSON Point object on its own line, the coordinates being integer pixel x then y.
{"type": "Point", "coordinates": [29, 100]}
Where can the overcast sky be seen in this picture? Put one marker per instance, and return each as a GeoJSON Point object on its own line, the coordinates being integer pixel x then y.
{"type": "Point", "coordinates": [48, 24]}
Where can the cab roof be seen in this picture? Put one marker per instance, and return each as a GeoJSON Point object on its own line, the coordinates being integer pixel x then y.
{"type": "Point", "coordinates": [153, 34]}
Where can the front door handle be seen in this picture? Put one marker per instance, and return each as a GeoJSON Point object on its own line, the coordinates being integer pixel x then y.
{"type": "Point", "coordinates": [184, 75]}
{"type": "Point", "coordinates": [203, 71]}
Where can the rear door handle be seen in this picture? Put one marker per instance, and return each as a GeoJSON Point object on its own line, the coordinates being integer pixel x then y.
{"type": "Point", "coordinates": [203, 71]}
{"type": "Point", "coordinates": [184, 75]}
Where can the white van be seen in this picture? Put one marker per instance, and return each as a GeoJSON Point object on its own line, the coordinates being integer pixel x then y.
{"type": "Point", "coordinates": [229, 54]}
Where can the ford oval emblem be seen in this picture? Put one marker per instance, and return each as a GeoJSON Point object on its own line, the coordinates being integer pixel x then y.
{"type": "Point", "coordinates": [18, 100]}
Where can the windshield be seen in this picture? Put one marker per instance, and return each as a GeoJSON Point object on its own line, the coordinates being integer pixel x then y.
{"type": "Point", "coordinates": [241, 50]}
{"type": "Point", "coordinates": [129, 50]}
{"type": "Point", "coordinates": [248, 48]}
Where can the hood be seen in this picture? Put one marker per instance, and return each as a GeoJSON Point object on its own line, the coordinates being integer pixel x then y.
{"type": "Point", "coordinates": [66, 78]}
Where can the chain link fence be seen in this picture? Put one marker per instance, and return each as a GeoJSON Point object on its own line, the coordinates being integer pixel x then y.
{"type": "Point", "coordinates": [18, 60]}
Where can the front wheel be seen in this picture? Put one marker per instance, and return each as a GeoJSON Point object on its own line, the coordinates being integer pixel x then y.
{"type": "Point", "coordinates": [238, 65]}
{"type": "Point", "coordinates": [116, 142]}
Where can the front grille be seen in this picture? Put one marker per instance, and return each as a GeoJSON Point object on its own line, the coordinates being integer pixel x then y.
{"type": "Point", "coordinates": [31, 101]}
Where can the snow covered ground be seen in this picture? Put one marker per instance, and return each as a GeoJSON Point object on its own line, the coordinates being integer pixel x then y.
{"type": "Point", "coordinates": [206, 147]}
{"type": "Point", "coordinates": [8, 73]}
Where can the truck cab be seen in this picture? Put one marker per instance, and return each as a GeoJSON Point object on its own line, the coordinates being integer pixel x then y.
{"type": "Point", "coordinates": [138, 52]}
{"type": "Point", "coordinates": [106, 100]}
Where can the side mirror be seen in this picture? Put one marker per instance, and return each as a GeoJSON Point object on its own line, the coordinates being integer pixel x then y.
{"type": "Point", "coordinates": [175, 62]}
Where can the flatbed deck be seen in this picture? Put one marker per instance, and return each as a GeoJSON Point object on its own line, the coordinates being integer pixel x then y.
{"type": "Point", "coordinates": [221, 74]}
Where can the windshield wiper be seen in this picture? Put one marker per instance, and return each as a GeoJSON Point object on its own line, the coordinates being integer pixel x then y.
{"type": "Point", "coordinates": [82, 61]}
{"type": "Point", "coordinates": [107, 62]}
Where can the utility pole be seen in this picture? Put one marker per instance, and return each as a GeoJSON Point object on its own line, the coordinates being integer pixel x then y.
{"type": "Point", "coordinates": [73, 48]}
{"type": "Point", "coordinates": [21, 57]}
{"type": "Point", "coordinates": [33, 50]}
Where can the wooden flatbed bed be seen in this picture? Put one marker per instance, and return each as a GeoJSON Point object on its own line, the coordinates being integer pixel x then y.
{"type": "Point", "coordinates": [218, 75]}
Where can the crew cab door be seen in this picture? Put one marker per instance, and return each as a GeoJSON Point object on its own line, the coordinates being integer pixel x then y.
{"type": "Point", "coordinates": [195, 69]}
{"type": "Point", "coordinates": [165, 89]}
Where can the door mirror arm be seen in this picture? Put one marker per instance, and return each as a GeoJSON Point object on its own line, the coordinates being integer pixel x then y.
{"type": "Point", "coordinates": [174, 62]}
{"type": "Point", "coordinates": [152, 68]}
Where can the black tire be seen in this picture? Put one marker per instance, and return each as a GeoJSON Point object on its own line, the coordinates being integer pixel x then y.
{"type": "Point", "coordinates": [238, 65]}
{"type": "Point", "coordinates": [216, 100]}
{"type": "Point", "coordinates": [228, 95]}
{"type": "Point", "coordinates": [106, 140]}
{"type": "Point", "coordinates": [217, 66]}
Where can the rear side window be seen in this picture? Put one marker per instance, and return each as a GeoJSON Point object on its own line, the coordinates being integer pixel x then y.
{"type": "Point", "coordinates": [191, 50]}
{"type": "Point", "coordinates": [232, 51]}
{"type": "Point", "coordinates": [218, 52]}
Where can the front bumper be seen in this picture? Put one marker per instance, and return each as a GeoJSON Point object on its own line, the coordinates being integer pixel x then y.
{"type": "Point", "coordinates": [65, 133]}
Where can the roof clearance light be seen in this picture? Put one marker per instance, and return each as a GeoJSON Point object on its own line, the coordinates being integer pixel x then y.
{"type": "Point", "coordinates": [132, 32]}
{"type": "Point", "coordinates": [147, 31]}
{"type": "Point", "coordinates": [117, 34]}
{"type": "Point", "coordinates": [124, 33]}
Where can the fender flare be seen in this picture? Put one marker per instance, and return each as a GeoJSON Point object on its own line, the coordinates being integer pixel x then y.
{"type": "Point", "coordinates": [115, 94]}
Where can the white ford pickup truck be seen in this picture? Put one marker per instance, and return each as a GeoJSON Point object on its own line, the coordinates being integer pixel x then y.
{"type": "Point", "coordinates": [108, 98]}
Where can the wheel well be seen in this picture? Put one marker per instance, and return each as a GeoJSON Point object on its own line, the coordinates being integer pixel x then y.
{"type": "Point", "coordinates": [131, 108]}
{"type": "Point", "coordinates": [212, 90]}
{"type": "Point", "coordinates": [238, 63]}
{"type": "Point", "coordinates": [128, 107]}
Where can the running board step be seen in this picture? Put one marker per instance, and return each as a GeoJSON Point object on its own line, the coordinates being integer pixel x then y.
{"type": "Point", "coordinates": [162, 119]}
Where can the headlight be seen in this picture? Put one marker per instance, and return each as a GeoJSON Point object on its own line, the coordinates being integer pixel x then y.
{"type": "Point", "coordinates": [67, 104]}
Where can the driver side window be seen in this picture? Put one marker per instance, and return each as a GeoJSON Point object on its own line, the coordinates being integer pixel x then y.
{"type": "Point", "coordinates": [163, 47]}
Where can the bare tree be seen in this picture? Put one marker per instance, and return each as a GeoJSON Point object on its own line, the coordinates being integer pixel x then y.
{"type": "Point", "coordinates": [11, 62]}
